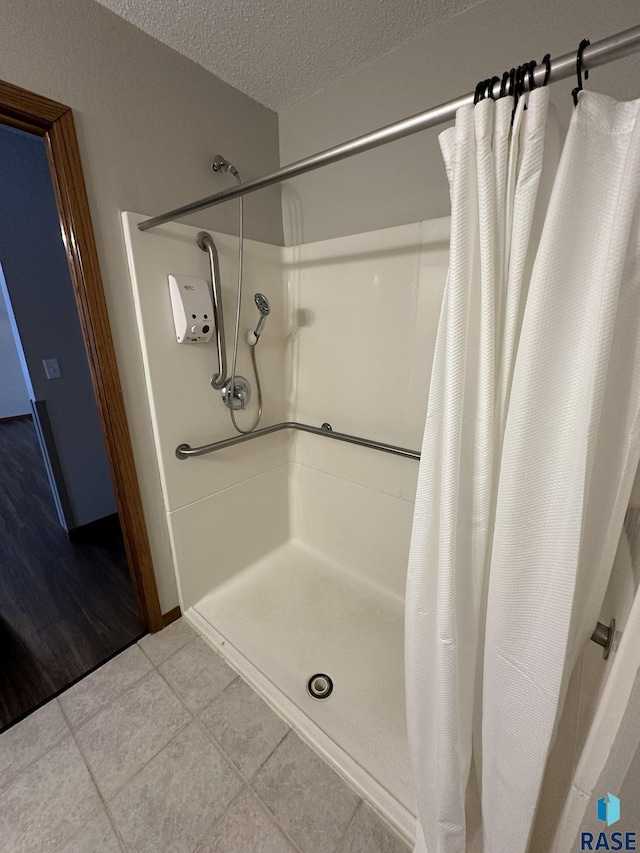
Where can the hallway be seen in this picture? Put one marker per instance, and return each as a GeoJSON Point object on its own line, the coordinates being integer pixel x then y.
{"type": "Point", "coordinates": [66, 605]}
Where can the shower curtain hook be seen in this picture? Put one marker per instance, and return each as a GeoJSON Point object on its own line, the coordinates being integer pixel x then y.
{"type": "Point", "coordinates": [584, 43]}
{"type": "Point", "coordinates": [481, 91]}
{"type": "Point", "coordinates": [546, 59]}
{"type": "Point", "coordinates": [518, 88]}
{"type": "Point", "coordinates": [503, 85]}
{"type": "Point", "coordinates": [490, 84]}
{"type": "Point", "coordinates": [527, 68]}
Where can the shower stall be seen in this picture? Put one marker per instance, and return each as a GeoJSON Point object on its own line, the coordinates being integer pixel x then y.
{"type": "Point", "coordinates": [291, 548]}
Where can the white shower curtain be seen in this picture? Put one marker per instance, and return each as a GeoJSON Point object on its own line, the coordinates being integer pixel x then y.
{"type": "Point", "coordinates": [530, 447]}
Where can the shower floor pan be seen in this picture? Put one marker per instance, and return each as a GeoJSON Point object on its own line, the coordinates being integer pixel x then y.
{"type": "Point", "coordinates": [295, 613]}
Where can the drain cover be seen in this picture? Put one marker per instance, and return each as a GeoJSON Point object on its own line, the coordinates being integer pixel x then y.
{"type": "Point", "coordinates": [319, 686]}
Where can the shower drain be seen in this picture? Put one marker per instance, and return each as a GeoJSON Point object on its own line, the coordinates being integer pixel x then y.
{"type": "Point", "coordinates": [319, 686]}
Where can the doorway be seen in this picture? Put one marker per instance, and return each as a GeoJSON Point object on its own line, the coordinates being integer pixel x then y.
{"type": "Point", "coordinates": [76, 578]}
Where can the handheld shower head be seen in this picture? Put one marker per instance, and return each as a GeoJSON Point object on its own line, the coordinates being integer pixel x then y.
{"type": "Point", "coordinates": [262, 304]}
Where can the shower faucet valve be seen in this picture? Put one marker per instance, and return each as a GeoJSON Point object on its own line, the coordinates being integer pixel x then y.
{"type": "Point", "coordinates": [241, 393]}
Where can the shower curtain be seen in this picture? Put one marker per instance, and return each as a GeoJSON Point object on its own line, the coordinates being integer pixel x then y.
{"type": "Point", "coordinates": [530, 448]}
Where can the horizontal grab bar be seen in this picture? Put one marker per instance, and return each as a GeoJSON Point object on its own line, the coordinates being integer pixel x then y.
{"type": "Point", "coordinates": [184, 451]}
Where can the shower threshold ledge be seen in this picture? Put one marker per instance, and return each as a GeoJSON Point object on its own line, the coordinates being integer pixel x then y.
{"type": "Point", "coordinates": [295, 613]}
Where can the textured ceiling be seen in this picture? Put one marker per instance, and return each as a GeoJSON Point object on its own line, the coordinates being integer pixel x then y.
{"type": "Point", "coordinates": [282, 51]}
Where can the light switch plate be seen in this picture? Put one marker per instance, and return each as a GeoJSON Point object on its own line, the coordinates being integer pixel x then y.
{"type": "Point", "coordinates": [51, 368]}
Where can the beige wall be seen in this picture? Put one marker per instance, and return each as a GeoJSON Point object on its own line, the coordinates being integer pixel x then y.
{"type": "Point", "coordinates": [405, 182]}
{"type": "Point", "coordinates": [149, 122]}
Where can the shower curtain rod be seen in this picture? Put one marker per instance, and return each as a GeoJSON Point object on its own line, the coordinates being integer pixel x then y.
{"type": "Point", "coordinates": [602, 52]}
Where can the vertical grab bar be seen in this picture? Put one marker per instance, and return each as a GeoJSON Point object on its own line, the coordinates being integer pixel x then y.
{"type": "Point", "coordinates": [205, 242]}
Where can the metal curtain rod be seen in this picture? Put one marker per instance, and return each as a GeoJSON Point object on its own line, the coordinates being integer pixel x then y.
{"type": "Point", "coordinates": [602, 52]}
{"type": "Point", "coordinates": [184, 451]}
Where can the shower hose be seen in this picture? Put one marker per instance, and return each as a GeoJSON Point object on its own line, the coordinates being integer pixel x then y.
{"type": "Point", "coordinates": [236, 336]}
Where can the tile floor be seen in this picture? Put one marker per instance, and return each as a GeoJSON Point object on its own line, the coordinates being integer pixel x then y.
{"type": "Point", "coordinates": [165, 748]}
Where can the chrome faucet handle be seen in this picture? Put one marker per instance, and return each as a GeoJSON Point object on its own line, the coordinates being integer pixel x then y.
{"type": "Point", "coordinates": [241, 394]}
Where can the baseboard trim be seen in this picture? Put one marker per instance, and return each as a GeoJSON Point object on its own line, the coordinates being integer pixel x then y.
{"type": "Point", "coordinates": [107, 525]}
{"type": "Point", "coordinates": [171, 615]}
{"type": "Point", "coordinates": [26, 416]}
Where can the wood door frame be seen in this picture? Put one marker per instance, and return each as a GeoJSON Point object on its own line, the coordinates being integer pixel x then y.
{"type": "Point", "coordinates": [33, 113]}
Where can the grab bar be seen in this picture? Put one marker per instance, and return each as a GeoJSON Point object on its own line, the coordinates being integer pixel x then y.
{"type": "Point", "coordinates": [184, 451]}
{"type": "Point", "coordinates": [205, 242]}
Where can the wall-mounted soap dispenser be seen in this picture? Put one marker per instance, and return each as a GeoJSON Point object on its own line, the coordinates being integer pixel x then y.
{"type": "Point", "coordinates": [192, 309]}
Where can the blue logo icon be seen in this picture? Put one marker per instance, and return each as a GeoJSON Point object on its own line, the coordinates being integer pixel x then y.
{"type": "Point", "coordinates": [609, 810]}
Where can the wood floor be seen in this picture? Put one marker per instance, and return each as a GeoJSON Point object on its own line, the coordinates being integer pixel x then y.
{"type": "Point", "coordinates": [66, 605]}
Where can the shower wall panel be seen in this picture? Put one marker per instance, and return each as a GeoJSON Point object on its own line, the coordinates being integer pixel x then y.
{"type": "Point", "coordinates": [209, 539]}
{"type": "Point", "coordinates": [364, 313]}
{"type": "Point", "coordinates": [216, 538]}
